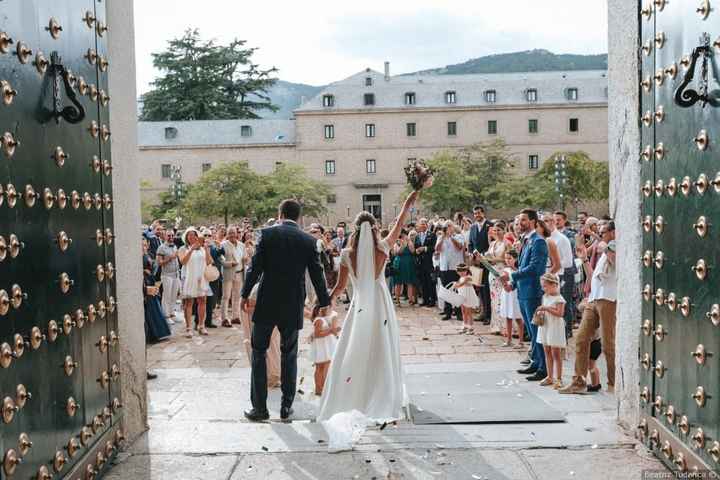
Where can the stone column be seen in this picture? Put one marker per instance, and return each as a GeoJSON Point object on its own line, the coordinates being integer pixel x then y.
{"type": "Point", "coordinates": [126, 196]}
{"type": "Point", "coordinates": [624, 148]}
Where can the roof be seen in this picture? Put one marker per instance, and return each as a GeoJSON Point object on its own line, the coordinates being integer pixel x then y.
{"type": "Point", "coordinates": [469, 89]}
{"type": "Point", "coordinates": [216, 132]}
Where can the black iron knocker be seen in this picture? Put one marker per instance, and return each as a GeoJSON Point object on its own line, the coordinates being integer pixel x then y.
{"type": "Point", "coordinates": [687, 97]}
{"type": "Point", "coordinates": [71, 114]}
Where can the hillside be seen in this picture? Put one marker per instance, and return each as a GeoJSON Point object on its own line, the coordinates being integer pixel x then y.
{"type": "Point", "coordinates": [287, 96]}
{"type": "Point", "coordinates": [527, 61]}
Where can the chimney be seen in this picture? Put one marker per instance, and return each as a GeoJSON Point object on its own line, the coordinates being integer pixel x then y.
{"type": "Point", "coordinates": [387, 71]}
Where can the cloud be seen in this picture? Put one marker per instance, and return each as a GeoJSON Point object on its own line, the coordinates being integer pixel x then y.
{"type": "Point", "coordinates": [321, 41]}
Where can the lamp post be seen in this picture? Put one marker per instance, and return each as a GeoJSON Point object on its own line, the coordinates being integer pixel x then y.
{"type": "Point", "coordinates": [177, 189]}
{"type": "Point", "coordinates": [561, 178]}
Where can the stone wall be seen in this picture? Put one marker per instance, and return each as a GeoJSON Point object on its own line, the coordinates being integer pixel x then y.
{"type": "Point", "coordinates": [126, 196]}
{"type": "Point", "coordinates": [624, 145]}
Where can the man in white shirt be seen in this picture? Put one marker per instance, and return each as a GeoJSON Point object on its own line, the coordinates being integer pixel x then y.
{"type": "Point", "coordinates": [567, 270]}
{"type": "Point", "coordinates": [233, 269]}
{"type": "Point", "coordinates": [600, 313]}
{"type": "Point", "coordinates": [450, 247]}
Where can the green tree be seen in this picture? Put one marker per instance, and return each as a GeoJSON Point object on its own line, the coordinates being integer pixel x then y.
{"type": "Point", "coordinates": [467, 176]}
{"type": "Point", "coordinates": [292, 181]}
{"type": "Point", "coordinates": [587, 180]}
{"type": "Point", "coordinates": [228, 191]}
{"type": "Point", "coordinates": [205, 81]}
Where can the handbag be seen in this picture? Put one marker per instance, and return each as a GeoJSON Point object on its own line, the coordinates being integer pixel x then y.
{"type": "Point", "coordinates": [538, 318]}
{"type": "Point", "coordinates": [211, 273]}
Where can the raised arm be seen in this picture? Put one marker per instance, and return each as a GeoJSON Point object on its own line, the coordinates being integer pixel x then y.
{"type": "Point", "coordinates": [395, 233]}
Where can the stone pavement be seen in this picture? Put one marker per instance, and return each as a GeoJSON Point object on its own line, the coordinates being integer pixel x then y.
{"type": "Point", "coordinates": [197, 430]}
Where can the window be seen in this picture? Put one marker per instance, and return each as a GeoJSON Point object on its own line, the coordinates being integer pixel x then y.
{"type": "Point", "coordinates": [533, 125]}
{"type": "Point", "coordinates": [531, 95]}
{"type": "Point", "coordinates": [533, 162]}
{"type": "Point", "coordinates": [332, 198]}
{"type": "Point", "coordinates": [410, 98]}
{"type": "Point", "coordinates": [572, 93]}
{"type": "Point", "coordinates": [329, 167]}
{"type": "Point", "coordinates": [206, 167]}
{"type": "Point", "coordinates": [410, 127]}
{"type": "Point", "coordinates": [574, 125]}
{"type": "Point", "coordinates": [165, 170]}
{"type": "Point", "coordinates": [328, 100]}
{"type": "Point", "coordinates": [452, 128]}
{"type": "Point", "coordinates": [490, 96]}
{"type": "Point", "coordinates": [492, 127]}
{"type": "Point", "coordinates": [450, 97]}
{"type": "Point", "coordinates": [368, 81]}
{"type": "Point", "coordinates": [329, 131]}
{"type": "Point", "coordinates": [369, 99]}
{"type": "Point", "coordinates": [370, 166]}
{"type": "Point", "coordinates": [246, 131]}
{"type": "Point", "coordinates": [369, 130]}
{"type": "Point", "coordinates": [170, 132]}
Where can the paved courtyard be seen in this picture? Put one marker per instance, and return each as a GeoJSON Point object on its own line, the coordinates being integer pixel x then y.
{"type": "Point", "coordinates": [197, 430]}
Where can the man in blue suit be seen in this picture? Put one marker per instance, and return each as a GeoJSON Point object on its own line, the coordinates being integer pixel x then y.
{"type": "Point", "coordinates": [532, 265]}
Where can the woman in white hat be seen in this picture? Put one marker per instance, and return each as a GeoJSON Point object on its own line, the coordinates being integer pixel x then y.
{"type": "Point", "coordinates": [194, 257]}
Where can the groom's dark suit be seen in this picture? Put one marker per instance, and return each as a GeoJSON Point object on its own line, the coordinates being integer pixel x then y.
{"type": "Point", "coordinates": [284, 252]}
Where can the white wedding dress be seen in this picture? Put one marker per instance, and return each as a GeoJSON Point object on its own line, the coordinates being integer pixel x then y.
{"type": "Point", "coordinates": [365, 381]}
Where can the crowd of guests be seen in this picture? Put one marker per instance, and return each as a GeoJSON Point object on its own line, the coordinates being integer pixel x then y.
{"type": "Point", "coordinates": [530, 278]}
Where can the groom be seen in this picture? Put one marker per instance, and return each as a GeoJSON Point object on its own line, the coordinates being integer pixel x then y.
{"type": "Point", "coordinates": [283, 254]}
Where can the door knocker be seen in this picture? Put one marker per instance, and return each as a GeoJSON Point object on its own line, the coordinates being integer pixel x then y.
{"type": "Point", "coordinates": [71, 114]}
{"type": "Point", "coordinates": [687, 97]}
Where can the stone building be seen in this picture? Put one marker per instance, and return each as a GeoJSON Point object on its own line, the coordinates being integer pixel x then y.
{"type": "Point", "coordinates": [359, 133]}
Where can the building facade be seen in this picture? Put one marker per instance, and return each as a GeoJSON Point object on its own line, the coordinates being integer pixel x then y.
{"type": "Point", "coordinates": [359, 133]}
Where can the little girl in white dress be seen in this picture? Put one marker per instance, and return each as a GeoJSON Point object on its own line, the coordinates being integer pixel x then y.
{"type": "Point", "coordinates": [471, 301]}
{"type": "Point", "coordinates": [323, 341]}
{"type": "Point", "coordinates": [510, 306]}
{"type": "Point", "coordinates": [552, 333]}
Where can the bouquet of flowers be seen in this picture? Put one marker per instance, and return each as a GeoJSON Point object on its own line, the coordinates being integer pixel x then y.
{"type": "Point", "coordinates": [419, 175]}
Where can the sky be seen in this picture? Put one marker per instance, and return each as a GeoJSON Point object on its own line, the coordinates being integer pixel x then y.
{"type": "Point", "coordinates": [321, 41]}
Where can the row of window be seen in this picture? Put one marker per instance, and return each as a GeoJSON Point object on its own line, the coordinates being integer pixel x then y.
{"type": "Point", "coordinates": [172, 132]}
{"type": "Point", "coordinates": [452, 128]}
{"type": "Point", "coordinates": [371, 165]}
{"type": "Point", "coordinates": [166, 169]}
{"type": "Point", "coordinates": [531, 95]}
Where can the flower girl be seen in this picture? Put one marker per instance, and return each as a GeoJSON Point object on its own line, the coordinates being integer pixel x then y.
{"type": "Point", "coordinates": [323, 341]}
{"type": "Point", "coordinates": [471, 301]}
{"type": "Point", "coordinates": [510, 306]}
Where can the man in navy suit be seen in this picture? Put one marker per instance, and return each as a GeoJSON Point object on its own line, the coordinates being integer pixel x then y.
{"type": "Point", "coordinates": [532, 265]}
{"type": "Point", "coordinates": [479, 241]}
{"type": "Point", "coordinates": [283, 254]}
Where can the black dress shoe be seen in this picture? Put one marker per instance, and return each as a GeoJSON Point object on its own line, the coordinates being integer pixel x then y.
{"type": "Point", "coordinates": [211, 325]}
{"type": "Point", "coordinates": [525, 362]}
{"type": "Point", "coordinates": [151, 376]}
{"type": "Point", "coordinates": [536, 377]}
{"type": "Point", "coordinates": [446, 317]}
{"type": "Point", "coordinates": [594, 388]}
{"type": "Point", "coordinates": [285, 412]}
{"type": "Point", "coordinates": [256, 415]}
{"type": "Point", "coordinates": [528, 371]}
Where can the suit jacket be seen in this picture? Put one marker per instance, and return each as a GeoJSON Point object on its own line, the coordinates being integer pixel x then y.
{"type": "Point", "coordinates": [531, 266]}
{"type": "Point", "coordinates": [479, 239]}
{"type": "Point", "coordinates": [425, 259]}
{"type": "Point", "coordinates": [283, 254]}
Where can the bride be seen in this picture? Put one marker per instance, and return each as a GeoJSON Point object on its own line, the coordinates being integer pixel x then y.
{"type": "Point", "coordinates": [365, 374]}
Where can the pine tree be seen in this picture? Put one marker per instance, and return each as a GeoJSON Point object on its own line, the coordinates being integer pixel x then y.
{"type": "Point", "coordinates": [205, 81]}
